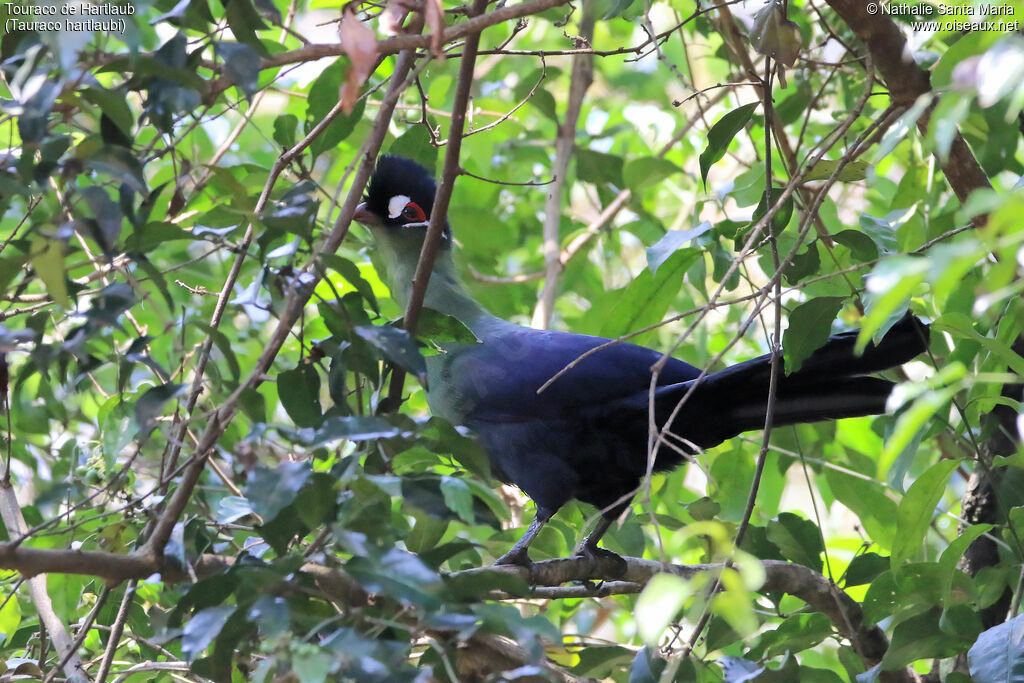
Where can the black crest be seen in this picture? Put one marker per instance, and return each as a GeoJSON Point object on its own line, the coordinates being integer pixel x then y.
{"type": "Point", "coordinates": [396, 176]}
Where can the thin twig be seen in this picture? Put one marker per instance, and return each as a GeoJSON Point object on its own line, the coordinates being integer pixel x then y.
{"type": "Point", "coordinates": [565, 145]}
{"type": "Point", "coordinates": [439, 212]}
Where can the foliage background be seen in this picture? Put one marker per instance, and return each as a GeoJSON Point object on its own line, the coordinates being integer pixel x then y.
{"type": "Point", "coordinates": [196, 450]}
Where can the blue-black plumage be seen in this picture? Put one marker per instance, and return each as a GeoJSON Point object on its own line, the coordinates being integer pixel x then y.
{"type": "Point", "coordinates": [585, 436]}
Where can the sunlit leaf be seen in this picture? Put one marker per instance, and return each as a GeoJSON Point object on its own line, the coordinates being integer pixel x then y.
{"type": "Point", "coordinates": [721, 134]}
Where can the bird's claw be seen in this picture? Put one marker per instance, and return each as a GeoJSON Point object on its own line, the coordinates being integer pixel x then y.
{"type": "Point", "coordinates": [518, 558]}
{"type": "Point", "coordinates": [610, 564]}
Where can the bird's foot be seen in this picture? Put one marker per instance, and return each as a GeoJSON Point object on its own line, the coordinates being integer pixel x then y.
{"type": "Point", "coordinates": [609, 564]}
{"type": "Point", "coordinates": [517, 556]}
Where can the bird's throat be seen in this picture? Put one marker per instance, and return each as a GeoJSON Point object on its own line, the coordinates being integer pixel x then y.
{"type": "Point", "coordinates": [399, 253]}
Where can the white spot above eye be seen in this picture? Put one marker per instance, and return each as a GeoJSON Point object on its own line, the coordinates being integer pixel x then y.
{"type": "Point", "coordinates": [396, 204]}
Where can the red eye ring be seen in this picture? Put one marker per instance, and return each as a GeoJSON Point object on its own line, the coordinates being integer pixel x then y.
{"type": "Point", "coordinates": [413, 213]}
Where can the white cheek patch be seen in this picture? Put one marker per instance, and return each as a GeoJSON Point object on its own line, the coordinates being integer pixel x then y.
{"type": "Point", "coordinates": [396, 205]}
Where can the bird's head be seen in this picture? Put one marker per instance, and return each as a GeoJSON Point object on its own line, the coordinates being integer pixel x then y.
{"type": "Point", "coordinates": [399, 198]}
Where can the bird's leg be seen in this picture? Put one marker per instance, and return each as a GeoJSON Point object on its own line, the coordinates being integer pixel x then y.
{"type": "Point", "coordinates": [588, 549]}
{"type": "Point", "coordinates": [518, 554]}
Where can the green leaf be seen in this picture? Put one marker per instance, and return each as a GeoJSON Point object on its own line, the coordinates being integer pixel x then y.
{"type": "Point", "coordinates": [810, 324]}
{"type": "Point", "coordinates": [861, 246]}
{"type": "Point", "coordinates": [913, 421]}
{"type": "Point", "coordinates": [232, 508]}
{"type": "Point", "coordinates": [796, 633]}
{"type": "Point", "coordinates": [113, 104]}
{"type": "Point", "coordinates": [120, 164]}
{"type": "Point", "coordinates": [868, 500]}
{"type": "Point", "coordinates": [889, 286]}
{"type": "Point", "coordinates": [48, 262]}
{"type": "Point", "coordinates": [799, 539]}
{"type": "Point", "coordinates": [349, 427]}
{"type": "Point", "coordinates": [967, 45]}
{"type": "Point", "coordinates": [314, 667]}
{"type": "Point", "coordinates": [323, 95]}
{"type": "Point", "coordinates": [920, 637]}
{"type": "Point", "coordinates": [647, 666]}
{"type": "Point", "coordinates": [111, 302]}
{"type": "Point", "coordinates": [244, 21]}
{"type": "Point", "coordinates": [9, 269]}
{"type": "Point", "coordinates": [824, 168]}
{"type": "Point", "coordinates": [599, 168]}
{"type": "Point", "coordinates": [646, 172]}
{"type": "Point", "coordinates": [284, 130]}
{"type": "Point", "coordinates": [998, 654]}
{"type": "Point", "coordinates": [917, 508]}
{"type": "Point", "coordinates": [643, 301]}
{"type": "Point", "coordinates": [804, 264]}
{"type": "Point", "coordinates": [223, 344]}
{"type": "Point", "coordinates": [601, 661]}
{"type": "Point", "coordinates": [272, 614]}
{"type": "Point", "coordinates": [658, 604]}
{"type": "Point", "coordinates": [151, 404]}
{"type": "Point", "coordinates": [319, 501]}
{"type": "Point", "coordinates": [10, 618]}
{"type": "Point", "coordinates": [962, 327]}
{"type": "Point", "coordinates": [271, 490]}
{"type": "Point", "coordinates": [397, 346]}
{"type": "Point", "coordinates": [299, 392]}
{"type": "Point", "coordinates": [864, 569]}
{"type": "Point", "coordinates": [721, 134]}
{"type": "Point", "coordinates": [155, 276]}
{"type": "Point", "coordinates": [781, 218]}
{"type": "Point", "coordinates": [253, 405]}
{"type": "Point", "coordinates": [399, 574]}
{"type": "Point", "coordinates": [350, 271]}
{"type": "Point", "coordinates": [440, 328]}
{"type": "Point", "coordinates": [458, 498]}
{"type": "Point", "coordinates": [881, 231]}
{"type": "Point", "coordinates": [241, 65]}
{"type": "Point", "coordinates": [202, 628]}
{"type": "Point", "coordinates": [670, 243]}
{"type": "Point", "coordinates": [955, 550]}
{"type": "Point", "coordinates": [617, 8]}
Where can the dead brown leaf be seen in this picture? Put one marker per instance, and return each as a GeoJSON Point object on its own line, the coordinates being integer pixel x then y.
{"type": "Point", "coordinates": [360, 44]}
{"type": "Point", "coordinates": [392, 16]}
{"type": "Point", "coordinates": [433, 17]}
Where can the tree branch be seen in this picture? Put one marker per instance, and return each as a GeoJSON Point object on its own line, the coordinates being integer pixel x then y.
{"type": "Point", "coordinates": [565, 144]}
{"type": "Point", "coordinates": [293, 308]}
{"type": "Point", "coordinates": [906, 82]}
{"type": "Point", "coordinates": [395, 44]}
{"type": "Point", "coordinates": [10, 512]}
{"type": "Point", "coordinates": [439, 213]}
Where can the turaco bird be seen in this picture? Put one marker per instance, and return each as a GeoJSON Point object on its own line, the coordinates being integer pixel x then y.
{"type": "Point", "coordinates": [586, 435]}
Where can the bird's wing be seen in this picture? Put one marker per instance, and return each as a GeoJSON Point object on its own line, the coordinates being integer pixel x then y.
{"type": "Point", "coordinates": [499, 378]}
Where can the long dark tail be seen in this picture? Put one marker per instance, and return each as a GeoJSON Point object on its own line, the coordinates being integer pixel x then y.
{"type": "Point", "coordinates": [830, 385]}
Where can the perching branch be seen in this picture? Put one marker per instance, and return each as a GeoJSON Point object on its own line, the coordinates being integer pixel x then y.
{"type": "Point", "coordinates": [547, 576]}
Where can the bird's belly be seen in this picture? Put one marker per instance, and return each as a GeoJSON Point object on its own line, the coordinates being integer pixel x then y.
{"type": "Point", "coordinates": [595, 453]}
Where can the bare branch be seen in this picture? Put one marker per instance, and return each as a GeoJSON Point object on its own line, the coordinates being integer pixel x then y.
{"type": "Point", "coordinates": [10, 512]}
{"type": "Point", "coordinates": [565, 145]}
{"type": "Point", "coordinates": [439, 212]}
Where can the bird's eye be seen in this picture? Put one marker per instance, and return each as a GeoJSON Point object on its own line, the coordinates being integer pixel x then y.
{"type": "Point", "coordinates": [413, 213]}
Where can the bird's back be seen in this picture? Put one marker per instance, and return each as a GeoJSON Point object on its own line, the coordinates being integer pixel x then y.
{"type": "Point", "coordinates": [499, 378]}
{"type": "Point", "coordinates": [571, 440]}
